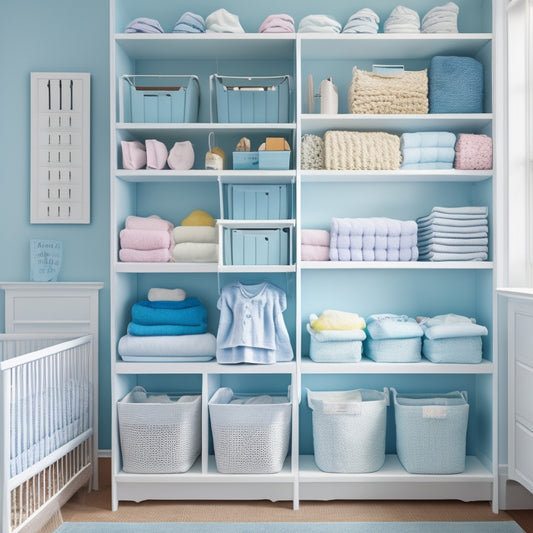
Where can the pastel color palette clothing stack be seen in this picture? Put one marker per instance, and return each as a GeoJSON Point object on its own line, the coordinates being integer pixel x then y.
{"type": "Point", "coordinates": [146, 239]}
{"type": "Point", "coordinates": [315, 245]}
{"type": "Point", "coordinates": [473, 152]}
{"type": "Point", "coordinates": [454, 234]}
{"type": "Point", "coordinates": [427, 150]}
{"type": "Point", "coordinates": [373, 239]}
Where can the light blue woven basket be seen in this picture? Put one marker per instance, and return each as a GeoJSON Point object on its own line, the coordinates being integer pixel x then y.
{"type": "Point", "coordinates": [431, 431]}
{"type": "Point", "coordinates": [393, 350]}
{"type": "Point", "coordinates": [453, 350]}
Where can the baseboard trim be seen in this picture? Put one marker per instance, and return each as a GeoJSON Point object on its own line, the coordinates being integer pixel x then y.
{"type": "Point", "coordinates": [104, 454]}
{"type": "Point", "coordinates": [512, 494]}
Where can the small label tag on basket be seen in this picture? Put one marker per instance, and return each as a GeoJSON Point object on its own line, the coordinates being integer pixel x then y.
{"type": "Point", "coordinates": [342, 408]}
{"type": "Point", "coordinates": [434, 411]}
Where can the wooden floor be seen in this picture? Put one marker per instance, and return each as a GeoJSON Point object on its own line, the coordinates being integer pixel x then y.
{"type": "Point", "coordinates": [96, 507]}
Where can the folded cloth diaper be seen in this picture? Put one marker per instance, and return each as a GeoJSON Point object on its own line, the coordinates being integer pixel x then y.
{"type": "Point", "coordinates": [402, 20]}
{"type": "Point", "coordinates": [144, 25]}
{"type": "Point", "coordinates": [222, 21]}
{"type": "Point", "coordinates": [319, 24]}
{"type": "Point", "coordinates": [156, 154]}
{"type": "Point", "coordinates": [441, 19]}
{"type": "Point", "coordinates": [473, 152]}
{"type": "Point", "coordinates": [198, 218]}
{"type": "Point", "coordinates": [181, 156]}
{"type": "Point", "coordinates": [337, 320]}
{"type": "Point", "coordinates": [133, 155]}
{"type": "Point", "coordinates": [190, 23]}
{"type": "Point", "coordinates": [364, 21]}
{"type": "Point", "coordinates": [156, 294]}
{"type": "Point", "coordinates": [277, 24]}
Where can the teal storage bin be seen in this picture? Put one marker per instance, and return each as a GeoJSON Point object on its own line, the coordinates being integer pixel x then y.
{"type": "Point", "coordinates": [250, 99]}
{"type": "Point", "coordinates": [257, 246]}
{"type": "Point", "coordinates": [157, 99]}
{"type": "Point", "coordinates": [245, 160]}
{"type": "Point", "coordinates": [274, 160]}
{"type": "Point", "coordinates": [259, 202]}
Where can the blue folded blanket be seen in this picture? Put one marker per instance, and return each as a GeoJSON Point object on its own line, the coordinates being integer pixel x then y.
{"type": "Point", "coordinates": [165, 329]}
{"type": "Point", "coordinates": [428, 154]}
{"type": "Point", "coordinates": [433, 139]}
{"type": "Point", "coordinates": [188, 312]}
{"type": "Point", "coordinates": [455, 85]}
{"type": "Point", "coordinates": [390, 326]}
{"type": "Point", "coordinates": [435, 165]}
{"type": "Point", "coordinates": [451, 325]}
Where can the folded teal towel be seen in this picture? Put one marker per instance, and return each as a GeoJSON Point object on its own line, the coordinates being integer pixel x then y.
{"type": "Point", "coordinates": [390, 326]}
{"type": "Point", "coordinates": [188, 312]}
{"type": "Point", "coordinates": [165, 329]}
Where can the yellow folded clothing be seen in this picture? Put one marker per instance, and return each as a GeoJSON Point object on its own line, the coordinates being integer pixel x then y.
{"type": "Point", "coordinates": [198, 218]}
{"type": "Point", "coordinates": [337, 320]}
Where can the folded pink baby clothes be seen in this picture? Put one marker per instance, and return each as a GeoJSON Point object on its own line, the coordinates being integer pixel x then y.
{"type": "Point", "coordinates": [140, 239]}
{"type": "Point", "coordinates": [144, 256]}
{"type": "Point", "coordinates": [315, 236]}
{"type": "Point", "coordinates": [277, 24]}
{"type": "Point", "coordinates": [313, 252]}
{"type": "Point", "coordinates": [153, 222]}
{"type": "Point", "coordinates": [473, 152]}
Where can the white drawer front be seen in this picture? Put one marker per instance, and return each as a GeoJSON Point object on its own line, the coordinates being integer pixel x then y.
{"type": "Point", "coordinates": [51, 308]}
{"type": "Point", "coordinates": [523, 388]}
{"type": "Point", "coordinates": [524, 338]}
{"type": "Point", "coordinates": [524, 457]}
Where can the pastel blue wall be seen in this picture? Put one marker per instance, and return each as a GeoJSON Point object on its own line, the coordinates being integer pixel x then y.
{"type": "Point", "coordinates": [56, 36]}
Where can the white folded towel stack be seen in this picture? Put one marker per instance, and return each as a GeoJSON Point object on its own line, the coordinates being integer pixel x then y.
{"type": "Point", "coordinates": [402, 20]}
{"type": "Point", "coordinates": [441, 19]}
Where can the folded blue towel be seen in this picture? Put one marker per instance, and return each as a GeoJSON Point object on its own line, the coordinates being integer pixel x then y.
{"type": "Point", "coordinates": [428, 154]}
{"type": "Point", "coordinates": [188, 312]}
{"type": "Point", "coordinates": [427, 138]}
{"type": "Point", "coordinates": [165, 329]}
{"type": "Point", "coordinates": [451, 325]}
{"type": "Point", "coordinates": [190, 23]}
{"type": "Point", "coordinates": [391, 326]}
{"type": "Point", "coordinates": [144, 25]}
{"type": "Point", "coordinates": [455, 85]}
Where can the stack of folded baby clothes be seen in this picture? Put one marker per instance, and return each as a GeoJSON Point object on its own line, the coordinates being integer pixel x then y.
{"type": "Point", "coordinates": [373, 239]}
{"type": "Point", "coordinates": [282, 23]}
{"type": "Point", "coordinates": [319, 24]}
{"type": "Point", "coordinates": [168, 327]}
{"type": "Point", "coordinates": [144, 25]}
{"type": "Point", "coordinates": [454, 234]}
{"type": "Point", "coordinates": [402, 20]}
{"type": "Point", "coordinates": [427, 150]}
{"type": "Point", "coordinates": [146, 239]}
{"type": "Point", "coordinates": [222, 21]}
{"type": "Point", "coordinates": [441, 19]}
{"type": "Point", "coordinates": [190, 23]}
{"type": "Point", "coordinates": [364, 21]}
{"type": "Point", "coordinates": [196, 240]}
{"type": "Point", "coordinates": [315, 245]}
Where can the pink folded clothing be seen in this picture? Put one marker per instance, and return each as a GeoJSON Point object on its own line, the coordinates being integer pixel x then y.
{"type": "Point", "coordinates": [313, 252]}
{"type": "Point", "coordinates": [153, 222]}
{"type": "Point", "coordinates": [141, 239]}
{"type": "Point", "coordinates": [277, 24]}
{"type": "Point", "coordinates": [128, 255]}
{"type": "Point", "coordinates": [315, 236]}
{"type": "Point", "coordinates": [473, 152]}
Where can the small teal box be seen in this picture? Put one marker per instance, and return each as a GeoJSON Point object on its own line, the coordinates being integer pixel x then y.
{"type": "Point", "coordinates": [245, 160]}
{"type": "Point", "coordinates": [274, 160]}
{"type": "Point", "coordinates": [256, 246]}
{"type": "Point", "coordinates": [259, 202]}
{"type": "Point", "coordinates": [160, 99]}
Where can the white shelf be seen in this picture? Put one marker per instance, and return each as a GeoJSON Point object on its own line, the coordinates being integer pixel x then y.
{"type": "Point", "coordinates": [145, 268]}
{"type": "Point", "coordinates": [214, 476]}
{"type": "Point", "coordinates": [367, 366]}
{"type": "Point", "coordinates": [196, 176]}
{"type": "Point", "coordinates": [398, 176]}
{"type": "Point", "coordinates": [396, 265]}
{"type": "Point", "coordinates": [146, 128]}
{"type": "Point", "coordinates": [257, 268]}
{"type": "Point", "coordinates": [257, 224]}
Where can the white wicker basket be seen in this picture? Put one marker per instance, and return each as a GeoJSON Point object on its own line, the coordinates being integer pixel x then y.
{"type": "Point", "coordinates": [249, 438]}
{"type": "Point", "coordinates": [159, 438]}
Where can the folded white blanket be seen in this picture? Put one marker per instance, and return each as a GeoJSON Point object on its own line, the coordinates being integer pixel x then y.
{"type": "Point", "coordinates": [451, 325]}
{"type": "Point", "coordinates": [451, 248]}
{"type": "Point", "coordinates": [156, 294]}
{"type": "Point", "coordinates": [319, 24]}
{"type": "Point", "coordinates": [203, 344]}
{"type": "Point", "coordinates": [429, 234]}
{"type": "Point", "coordinates": [481, 241]}
{"type": "Point", "coordinates": [454, 222]}
{"type": "Point", "coordinates": [456, 230]}
{"type": "Point", "coordinates": [195, 234]}
{"type": "Point", "coordinates": [443, 256]}
{"type": "Point", "coordinates": [195, 252]}
{"type": "Point", "coordinates": [319, 237]}
{"type": "Point", "coordinates": [464, 210]}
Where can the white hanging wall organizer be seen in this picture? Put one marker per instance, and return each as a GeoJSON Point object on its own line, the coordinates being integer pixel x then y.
{"type": "Point", "coordinates": [60, 148]}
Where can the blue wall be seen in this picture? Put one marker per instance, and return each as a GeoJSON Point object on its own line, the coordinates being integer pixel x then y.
{"type": "Point", "coordinates": [56, 36]}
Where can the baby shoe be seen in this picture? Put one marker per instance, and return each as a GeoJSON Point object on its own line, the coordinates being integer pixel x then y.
{"type": "Point", "coordinates": [133, 155]}
{"type": "Point", "coordinates": [190, 23]}
{"type": "Point", "coordinates": [156, 154]}
{"type": "Point", "coordinates": [222, 21]}
{"type": "Point", "coordinates": [144, 25]}
{"type": "Point", "coordinates": [181, 156]}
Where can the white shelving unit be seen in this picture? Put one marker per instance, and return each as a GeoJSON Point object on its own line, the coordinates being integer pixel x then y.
{"type": "Point", "coordinates": [417, 288]}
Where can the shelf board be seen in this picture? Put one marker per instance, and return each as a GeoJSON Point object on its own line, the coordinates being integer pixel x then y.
{"type": "Point", "coordinates": [399, 265]}
{"type": "Point", "coordinates": [209, 367]}
{"type": "Point", "coordinates": [214, 476]}
{"type": "Point", "coordinates": [260, 224]}
{"type": "Point", "coordinates": [257, 268]}
{"type": "Point", "coordinates": [367, 366]}
{"type": "Point", "coordinates": [192, 176]}
{"type": "Point", "coordinates": [393, 472]}
{"type": "Point", "coordinates": [148, 128]}
{"type": "Point", "coordinates": [255, 46]}
{"type": "Point", "coordinates": [144, 268]}
{"type": "Point", "coordinates": [403, 176]}
{"type": "Point", "coordinates": [397, 123]}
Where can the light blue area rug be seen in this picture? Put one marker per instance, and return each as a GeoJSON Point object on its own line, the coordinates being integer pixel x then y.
{"type": "Point", "coordinates": [290, 527]}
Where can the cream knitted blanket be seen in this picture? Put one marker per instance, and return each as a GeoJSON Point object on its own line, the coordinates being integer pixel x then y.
{"type": "Point", "coordinates": [401, 94]}
{"type": "Point", "coordinates": [355, 150]}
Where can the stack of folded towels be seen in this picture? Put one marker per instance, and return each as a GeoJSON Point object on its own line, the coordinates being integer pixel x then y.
{"type": "Point", "coordinates": [336, 336]}
{"type": "Point", "coordinates": [222, 21]}
{"type": "Point", "coordinates": [454, 234]}
{"type": "Point", "coordinates": [441, 19]}
{"type": "Point", "coordinates": [196, 240]}
{"type": "Point", "coordinates": [190, 23]}
{"type": "Point", "coordinates": [315, 245]}
{"type": "Point", "coordinates": [373, 239]}
{"type": "Point", "coordinates": [364, 21]}
{"type": "Point", "coordinates": [402, 20]}
{"type": "Point", "coordinates": [146, 239]}
{"type": "Point", "coordinates": [319, 24]}
{"type": "Point", "coordinates": [168, 327]}
{"type": "Point", "coordinates": [144, 25]}
{"type": "Point", "coordinates": [282, 23]}
{"type": "Point", "coordinates": [427, 150]}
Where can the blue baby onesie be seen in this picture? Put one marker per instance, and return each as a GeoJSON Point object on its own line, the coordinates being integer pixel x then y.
{"type": "Point", "coordinates": [251, 327]}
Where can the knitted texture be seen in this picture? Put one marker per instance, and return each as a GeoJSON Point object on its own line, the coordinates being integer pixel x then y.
{"type": "Point", "coordinates": [312, 152]}
{"type": "Point", "coordinates": [404, 93]}
{"type": "Point", "coordinates": [354, 150]}
{"type": "Point", "coordinates": [473, 152]}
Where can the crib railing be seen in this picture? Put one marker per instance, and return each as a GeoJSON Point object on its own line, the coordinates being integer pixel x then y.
{"type": "Point", "coordinates": [46, 422]}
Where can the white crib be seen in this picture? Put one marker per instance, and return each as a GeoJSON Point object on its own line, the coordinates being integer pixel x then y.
{"type": "Point", "coordinates": [46, 425]}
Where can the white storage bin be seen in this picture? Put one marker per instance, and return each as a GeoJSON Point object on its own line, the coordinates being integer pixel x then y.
{"type": "Point", "coordinates": [249, 438]}
{"type": "Point", "coordinates": [159, 437]}
{"type": "Point", "coordinates": [349, 429]}
{"type": "Point", "coordinates": [431, 432]}
{"type": "Point", "coordinates": [335, 346]}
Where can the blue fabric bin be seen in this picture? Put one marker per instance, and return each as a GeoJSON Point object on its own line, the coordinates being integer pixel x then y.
{"type": "Point", "coordinates": [453, 350]}
{"type": "Point", "coordinates": [250, 99]}
{"type": "Point", "coordinates": [431, 432]}
{"type": "Point", "coordinates": [160, 99]}
{"type": "Point", "coordinates": [393, 350]}
{"type": "Point", "coordinates": [268, 246]}
{"type": "Point", "coordinates": [259, 202]}
{"type": "Point", "coordinates": [455, 85]}
{"type": "Point", "coordinates": [274, 160]}
{"type": "Point", "coordinates": [245, 160]}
